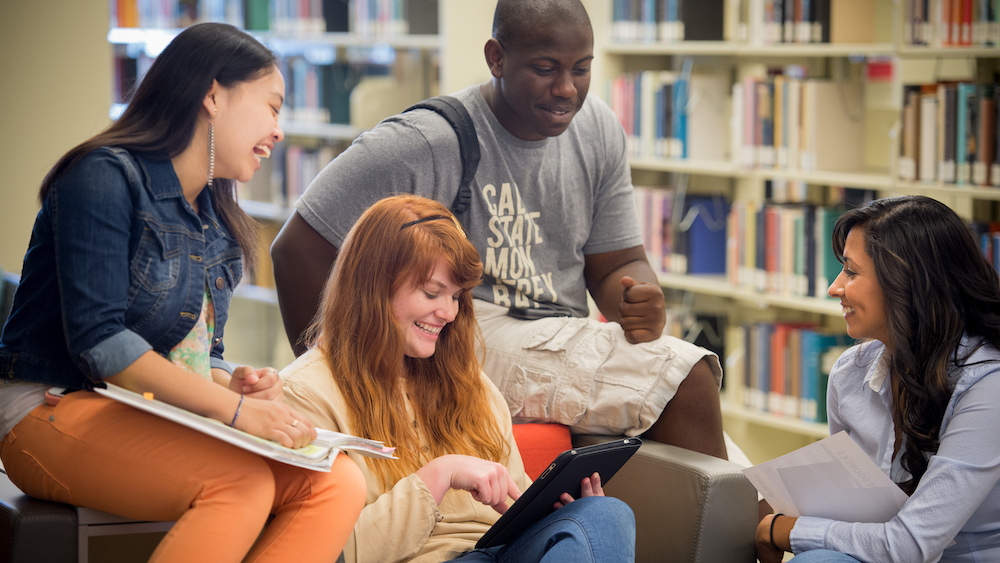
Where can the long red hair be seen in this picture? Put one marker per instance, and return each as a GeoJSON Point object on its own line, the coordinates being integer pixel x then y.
{"type": "Point", "coordinates": [363, 342]}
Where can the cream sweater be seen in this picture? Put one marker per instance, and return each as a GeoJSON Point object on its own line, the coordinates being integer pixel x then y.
{"type": "Point", "coordinates": [402, 523]}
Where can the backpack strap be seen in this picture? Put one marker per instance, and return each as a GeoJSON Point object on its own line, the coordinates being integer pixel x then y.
{"type": "Point", "coordinates": [468, 142]}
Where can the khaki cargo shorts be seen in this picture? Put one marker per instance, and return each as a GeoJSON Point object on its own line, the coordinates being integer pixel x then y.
{"type": "Point", "coordinates": [582, 372]}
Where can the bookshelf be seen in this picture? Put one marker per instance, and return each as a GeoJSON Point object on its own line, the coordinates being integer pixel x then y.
{"type": "Point", "coordinates": [869, 52]}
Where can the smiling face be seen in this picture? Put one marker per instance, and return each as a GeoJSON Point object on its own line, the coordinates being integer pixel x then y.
{"type": "Point", "coordinates": [543, 81]}
{"type": "Point", "coordinates": [859, 292]}
{"type": "Point", "coordinates": [246, 125]}
{"type": "Point", "coordinates": [423, 310]}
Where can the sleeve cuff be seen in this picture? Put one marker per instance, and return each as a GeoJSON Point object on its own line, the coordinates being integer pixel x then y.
{"type": "Point", "coordinates": [809, 534]}
{"type": "Point", "coordinates": [114, 354]}
{"type": "Point", "coordinates": [219, 363]}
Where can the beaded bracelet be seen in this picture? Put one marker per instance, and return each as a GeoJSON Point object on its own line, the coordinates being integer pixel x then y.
{"type": "Point", "coordinates": [238, 407]}
{"type": "Point", "coordinates": [771, 532]}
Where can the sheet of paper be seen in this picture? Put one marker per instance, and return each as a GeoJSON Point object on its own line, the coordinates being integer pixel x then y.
{"type": "Point", "coordinates": [831, 478]}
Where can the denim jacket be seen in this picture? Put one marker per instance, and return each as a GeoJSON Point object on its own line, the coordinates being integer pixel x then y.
{"type": "Point", "coordinates": [117, 265]}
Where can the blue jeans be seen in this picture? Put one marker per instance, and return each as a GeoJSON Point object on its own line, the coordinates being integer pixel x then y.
{"type": "Point", "coordinates": [823, 556]}
{"type": "Point", "coordinates": [586, 530]}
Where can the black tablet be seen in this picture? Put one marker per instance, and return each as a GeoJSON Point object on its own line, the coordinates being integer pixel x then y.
{"type": "Point", "coordinates": [563, 475]}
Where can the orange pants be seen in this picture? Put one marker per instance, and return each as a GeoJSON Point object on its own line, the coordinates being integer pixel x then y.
{"type": "Point", "coordinates": [96, 452]}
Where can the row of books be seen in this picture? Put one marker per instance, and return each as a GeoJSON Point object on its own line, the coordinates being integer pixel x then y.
{"type": "Point", "coordinates": [366, 17]}
{"type": "Point", "coordinates": [950, 134]}
{"type": "Point", "coordinates": [670, 114]}
{"type": "Point", "coordinates": [787, 121]}
{"type": "Point", "coordinates": [667, 20]}
{"type": "Point", "coordinates": [780, 121]}
{"type": "Point", "coordinates": [786, 368]}
{"type": "Point", "coordinates": [175, 14]}
{"type": "Point", "coordinates": [782, 249]}
{"type": "Point", "coordinates": [939, 23]}
{"type": "Point", "coordinates": [284, 177]}
{"type": "Point", "coordinates": [321, 93]}
{"type": "Point", "coordinates": [771, 22]}
{"type": "Point", "coordinates": [682, 235]}
{"type": "Point", "coordinates": [757, 22]}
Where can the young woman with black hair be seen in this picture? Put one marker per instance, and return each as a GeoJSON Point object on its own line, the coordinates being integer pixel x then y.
{"type": "Point", "coordinates": [919, 395]}
{"type": "Point", "coordinates": [128, 277]}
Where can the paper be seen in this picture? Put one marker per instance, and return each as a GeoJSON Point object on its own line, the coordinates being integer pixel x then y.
{"type": "Point", "coordinates": [318, 456]}
{"type": "Point", "coordinates": [832, 478]}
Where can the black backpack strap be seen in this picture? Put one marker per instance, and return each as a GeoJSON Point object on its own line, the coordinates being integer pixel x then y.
{"type": "Point", "coordinates": [468, 142]}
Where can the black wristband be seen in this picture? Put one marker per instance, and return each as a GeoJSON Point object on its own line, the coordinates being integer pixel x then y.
{"type": "Point", "coordinates": [771, 532]}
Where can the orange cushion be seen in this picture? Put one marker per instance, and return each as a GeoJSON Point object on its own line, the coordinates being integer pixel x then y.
{"type": "Point", "coordinates": [539, 444]}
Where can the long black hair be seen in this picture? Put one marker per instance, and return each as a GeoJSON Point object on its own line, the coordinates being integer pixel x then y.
{"type": "Point", "coordinates": [163, 110]}
{"type": "Point", "coordinates": [937, 286]}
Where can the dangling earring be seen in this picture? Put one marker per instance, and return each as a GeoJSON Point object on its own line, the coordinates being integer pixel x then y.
{"type": "Point", "coordinates": [211, 154]}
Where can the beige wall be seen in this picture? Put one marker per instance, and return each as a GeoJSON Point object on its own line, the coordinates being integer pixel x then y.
{"type": "Point", "coordinates": [467, 24]}
{"type": "Point", "coordinates": [55, 90]}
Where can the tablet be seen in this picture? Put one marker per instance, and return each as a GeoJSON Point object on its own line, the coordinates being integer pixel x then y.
{"type": "Point", "coordinates": [563, 475]}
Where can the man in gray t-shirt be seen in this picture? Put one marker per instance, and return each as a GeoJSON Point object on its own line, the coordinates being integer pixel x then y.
{"type": "Point", "coordinates": [553, 217]}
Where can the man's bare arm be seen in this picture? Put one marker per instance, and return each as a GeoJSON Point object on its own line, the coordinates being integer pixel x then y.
{"type": "Point", "coordinates": [302, 263]}
{"type": "Point", "coordinates": [626, 291]}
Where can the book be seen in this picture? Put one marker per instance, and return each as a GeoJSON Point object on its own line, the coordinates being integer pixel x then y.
{"type": "Point", "coordinates": [947, 96]}
{"type": "Point", "coordinates": [927, 145]}
{"type": "Point", "coordinates": [852, 21]}
{"type": "Point", "coordinates": [966, 110]}
{"type": "Point", "coordinates": [317, 456]}
{"type": "Point", "coordinates": [987, 138]}
{"type": "Point", "coordinates": [702, 21]}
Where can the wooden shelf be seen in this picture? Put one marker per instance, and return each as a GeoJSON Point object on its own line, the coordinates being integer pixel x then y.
{"type": "Point", "coordinates": [918, 52]}
{"type": "Point", "coordinates": [810, 429]}
{"type": "Point", "coordinates": [743, 50]}
{"type": "Point", "coordinates": [333, 131]}
{"type": "Point", "coordinates": [720, 287]}
{"type": "Point", "coordinates": [810, 50]}
{"type": "Point", "coordinates": [265, 210]}
{"type": "Point", "coordinates": [864, 180]}
{"type": "Point", "coordinates": [156, 39]}
{"type": "Point", "coordinates": [938, 190]}
{"type": "Point", "coordinates": [256, 293]}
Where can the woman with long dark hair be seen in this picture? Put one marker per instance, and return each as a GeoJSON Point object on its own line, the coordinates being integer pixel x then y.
{"type": "Point", "coordinates": [393, 357]}
{"type": "Point", "coordinates": [919, 395]}
{"type": "Point", "coordinates": [128, 277]}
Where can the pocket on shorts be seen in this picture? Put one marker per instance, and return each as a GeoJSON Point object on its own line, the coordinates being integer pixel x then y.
{"type": "Point", "coordinates": [552, 377]}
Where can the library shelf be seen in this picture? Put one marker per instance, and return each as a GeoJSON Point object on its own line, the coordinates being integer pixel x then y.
{"type": "Point", "coordinates": [315, 129]}
{"type": "Point", "coordinates": [256, 294]}
{"type": "Point", "coordinates": [939, 191]}
{"type": "Point", "coordinates": [958, 52]}
{"type": "Point", "coordinates": [813, 430]}
{"type": "Point", "coordinates": [747, 50]}
{"type": "Point", "coordinates": [157, 38]}
{"type": "Point", "coordinates": [718, 286]}
{"type": "Point", "coordinates": [265, 210]}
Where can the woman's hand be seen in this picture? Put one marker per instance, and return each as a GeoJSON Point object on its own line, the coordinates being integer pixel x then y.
{"type": "Point", "coordinates": [262, 383]}
{"type": "Point", "coordinates": [274, 420]}
{"type": "Point", "coordinates": [766, 553]}
{"type": "Point", "coordinates": [488, 481]}
{"type": "Point", "coordinates": [589, 487]}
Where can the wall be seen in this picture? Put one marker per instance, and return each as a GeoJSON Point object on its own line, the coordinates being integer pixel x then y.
{"type": "Point", "coordinates": [56, 69]}
{"type": "Point", "coordinates": [467, 24]}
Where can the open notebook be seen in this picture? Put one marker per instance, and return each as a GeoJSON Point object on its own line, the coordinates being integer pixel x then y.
{"type": "Point", "coordinates": [318, 456]}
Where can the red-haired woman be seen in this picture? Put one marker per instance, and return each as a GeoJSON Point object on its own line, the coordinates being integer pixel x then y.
{"type": "Point", "coordinates": [393, 358]}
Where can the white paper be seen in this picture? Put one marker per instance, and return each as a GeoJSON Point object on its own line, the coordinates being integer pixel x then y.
{"type": "Point", "coordinates": [832, 478]}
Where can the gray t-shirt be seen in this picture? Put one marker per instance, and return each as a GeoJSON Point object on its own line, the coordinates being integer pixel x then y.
{"type": "Point", "coordinates": [538, 207]}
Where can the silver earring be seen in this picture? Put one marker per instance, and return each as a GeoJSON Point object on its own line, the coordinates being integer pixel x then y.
{"type": "Point", "coordinates": [211, 154]}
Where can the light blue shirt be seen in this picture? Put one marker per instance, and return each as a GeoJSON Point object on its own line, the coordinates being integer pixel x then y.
{"type": "Point", "coordinates": [958, 497]}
